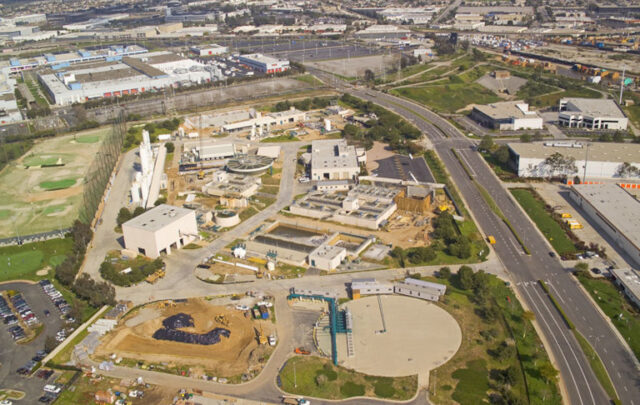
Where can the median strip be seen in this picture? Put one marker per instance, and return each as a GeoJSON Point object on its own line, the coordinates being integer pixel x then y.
{"type": "Point", "coordinates": [594, 360]}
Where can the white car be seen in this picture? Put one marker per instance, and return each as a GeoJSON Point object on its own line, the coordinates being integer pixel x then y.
{"type": "Point", "coordinates": [242, 307]}
{"type": "Point", "coordinates": [6, 402]}
{"type": "Point", "coordinates": [303, 179]}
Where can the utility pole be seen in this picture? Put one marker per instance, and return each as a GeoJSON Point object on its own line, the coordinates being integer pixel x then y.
{"type": "Point", "coordinates": [622, 85]}
{"type": "Point", "coordinates": [586, 160]}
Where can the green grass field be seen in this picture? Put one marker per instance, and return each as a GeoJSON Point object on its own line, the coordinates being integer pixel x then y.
{"type": "Point", "coordinates": [309, 79]}
{"type": "Point", "coordinates": [57, 184]}
{"type": "Point", "coordinates": [4, 214]}
{"type": "Point", "coordinates": [318, 377]}
{"type": "Point", "coordinates": [553, 99]}
{"type": "Point", "coordinates": [52, 209]}
{"type": "Point", "coordinates": [448, 98]}
{"type": "Point", "coordinates": [612, 301]}
{"type": "Point", "coordinates": [22, 262]}
{"type": "Point", "coordinates": [39, 160]}
{"type": "Point", "coordinates": [543, 220]}
{"type": "Point", "coordinates": [88, 139]}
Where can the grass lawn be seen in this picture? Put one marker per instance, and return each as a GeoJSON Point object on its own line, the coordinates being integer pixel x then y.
{"type": "Point", "coordinates": [58, 184]}
{"type": "Point", "coordinates": [280, 138]}
{"type": "Point", "coordinates": [39, 160]}
{"type": "Point", "coordinates": [618, 308]}
{"type": "Point", "coordinates": [318, 377]}
{"type": "Point", "coordinates": [309, 79]}
{"type": "Point", "coordinates": [247, 213]}
{"type": "Point", "coordinates": [553, 99]}
{"type": "Point", "coordinates": [448, 98]}
{"type": "Point", "coordinates": [4, 214]}
{"type": "Point", "coordinates": [22, 262]}
{"type": "Point", "coordinates": [543, 220]}
{"type": "Point", "coordinates": [468, 378]}
{"type": "Point", "coordinates": [88, 139]}
{"type": "Point", "coordinates": [52, 209]}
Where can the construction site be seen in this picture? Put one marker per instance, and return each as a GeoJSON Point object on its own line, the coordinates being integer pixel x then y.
{"type": "Point", "coordinates": [205, 338]}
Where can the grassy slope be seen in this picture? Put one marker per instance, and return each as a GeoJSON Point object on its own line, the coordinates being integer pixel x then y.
{"type": "Point", "coordinates": [22, 262]}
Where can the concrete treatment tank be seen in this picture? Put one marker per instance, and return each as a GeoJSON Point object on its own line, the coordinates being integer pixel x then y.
{"type": "Point", "coordinates": [227, 218]}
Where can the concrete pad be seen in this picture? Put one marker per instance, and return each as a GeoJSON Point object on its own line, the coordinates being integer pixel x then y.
{"type": "Point", "coordinates": [419, 337]}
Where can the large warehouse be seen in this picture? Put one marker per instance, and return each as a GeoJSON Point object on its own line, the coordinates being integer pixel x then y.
{"type": "Point", "coordinates": [507, 116]}
{"type": "Point", "coordinates": [264, 64]}
{"type": "Point", "coordinates": [603, 159]}
{"type": "Point", "coordinates": [159, 230]}
{"type": "Point", "coordinates": [615, 211]}
{"type": "Point", "coordinates": [333, 159]}
{"type": "Point", "coordinates": [121, 76]}
{"type": "Point", "coordinates": [592, 113]}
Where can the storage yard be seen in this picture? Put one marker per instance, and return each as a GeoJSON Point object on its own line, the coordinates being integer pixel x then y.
{"type": "Point", "coordinates": [233, 350]}
{"type": "Point", "coordinates": [42, 191]}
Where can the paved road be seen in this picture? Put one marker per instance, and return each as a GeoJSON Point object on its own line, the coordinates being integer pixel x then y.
{"type": "Point", "coordinates": [581, 383]}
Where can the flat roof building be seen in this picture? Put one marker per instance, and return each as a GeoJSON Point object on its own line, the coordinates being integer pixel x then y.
{"type": "Point", "coordinates": [263, 63]}
{"type": "Point", "coordinates": [592, 113]}
{"type": "Point", "coordinates": [629, 280]}
{"type": "Point", "coordinates": [425, 290]}
{"type": "Point", "coordinates": [333, 159]}
{"type": "Point", "coordinates": [159, 230]}
{"type": "Point", "coordinates": [615, 211]}
{"type": "Point", "coordinates": [327, 257]}
{"type": "Point", "coordinates": [209, 50]}
{"type": "Point", "coordinates": [604, 158]}
{"type": "Point", "coordinates": [508, 115]}
{"type": "Point", "coordinates": [369, 286]}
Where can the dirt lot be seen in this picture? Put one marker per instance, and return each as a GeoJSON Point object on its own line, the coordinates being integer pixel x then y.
{"type": "Point", "coordinates": [356, 66]}
{"type": "Point", "coordinates": [235, 355]}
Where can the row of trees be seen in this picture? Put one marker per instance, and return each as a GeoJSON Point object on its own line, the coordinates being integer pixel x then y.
{"type": "Point", "coordinates": [304, 105]}
{"type": "Point", "coordinates": [96, 293]}
{"type": "Point", "coordinates": [125, 214]}
{"type": "Point", "coordinates": [383, 126]}
{"type": "Point", "coordinates": [138, 272]}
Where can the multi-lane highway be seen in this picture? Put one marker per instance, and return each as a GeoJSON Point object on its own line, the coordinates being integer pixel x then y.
{"type": "Point", "coordinates": [581, 384]}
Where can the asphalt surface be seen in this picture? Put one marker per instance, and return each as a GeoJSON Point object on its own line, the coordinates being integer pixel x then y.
{"type": "Point", "coordinates": [581, 384]}
{"type": "Point", "coordinates": [13, 355]}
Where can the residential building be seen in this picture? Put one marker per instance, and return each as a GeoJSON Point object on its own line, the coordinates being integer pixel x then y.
{"type": "Point", "coordinates": [591, 113]}
{"type": "Point", "coordinates": [159, 230]}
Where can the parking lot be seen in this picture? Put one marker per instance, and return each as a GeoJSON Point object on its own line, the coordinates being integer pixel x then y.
{"type": "Point", "coordinates": [14, 356]}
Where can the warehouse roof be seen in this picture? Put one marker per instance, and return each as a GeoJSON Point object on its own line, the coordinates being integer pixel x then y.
{"type": "Point", "coordinates": [157, 218]}
{"type": "Point", "coordinates": [598, 151]}
{"type": "Point", "coordinates": [333, 154]}
{"type": "Point", "coordinates": [507, 109]}
{"type": "Point", "coordinates": [630, 278]}
{"type": "Point", "coordinates": [596, 107]}
{"type": "Point", "coordinates": [441, 288]}
{"type": "Point", "coordinates": [616, 205]}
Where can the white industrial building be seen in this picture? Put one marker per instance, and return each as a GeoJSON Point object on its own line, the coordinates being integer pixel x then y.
{"type": "Point", "coordinates": [121, 75]}
{"type": "Point", "coordinates": [369, 286]}
{"type": "Point", "coordinates": [327, 257]}
{"type": "Point", "coordinates": [146, 185]}
{"type": "Point", "coordinates": [629, 280]}
{"type": "Point", "coordinates": [209, 50]}
{"type": "Point", "coordinates": [263, 63]}
{"type": "Point", "coordinates": [508, 115]}
{"type": "Point", "coordinates": [425, 290]}
{"type": "Point", "coordinates": [603, 159]}
{"type": "Point", "coordinates": [615, 211]}
{"type": "Point", "coordinates": [364, 206]}
{"type": "Point", "coordinates": [260, 125]}
{"type": "Point", "coordinates": [333, 159]}
{"type": "Point", "coordinates": [214, 151]}
{"type": "Point", "coordinates": [591, 113]}
{"type": "Point", "coordinates": [159, 230]}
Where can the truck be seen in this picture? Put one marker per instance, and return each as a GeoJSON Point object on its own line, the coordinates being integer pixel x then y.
{"type": "Point", "coordinates": [152, 278]}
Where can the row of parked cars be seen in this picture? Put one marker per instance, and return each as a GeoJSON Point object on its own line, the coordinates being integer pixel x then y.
{"type": "Point", "coordinates": [31, 364]}
{"type": "Point", "coordinates": [11, 317]}
{"type": "Point", "coordinates": [24, 310]}
{"type": "Point", "coordinates": [8, 317]}
{"type": "Point", "coordinates": [55, 295]}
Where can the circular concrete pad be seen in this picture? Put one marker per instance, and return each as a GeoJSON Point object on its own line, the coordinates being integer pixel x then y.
{"type": "Point", "coordinates": [419, 337]}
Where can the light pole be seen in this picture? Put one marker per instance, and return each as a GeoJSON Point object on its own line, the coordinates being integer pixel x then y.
{"type": "Point", "coordinates": [586, 160]}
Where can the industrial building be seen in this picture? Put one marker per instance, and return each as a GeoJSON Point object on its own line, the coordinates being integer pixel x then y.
{"type": "Point", "coordinates": [629, 281]}
{"type": "Point", "coordinates": [214, 152]}
{"type": "Point", "coordinates": [260, 125]}
{"type": "Point", "coordinates": [327, 257]}
{"type": "Point", "coordinates": [591, 113]}
{"type": "Point", "coordinates": [507, 116]}
{"type": "Point", "coordinates": [615, 211]}
{"type": "Point", "coordinates": [232, 185]}
{"type": "Point", "coordinates": [369, 286]}
{"type": "Point", "coordinates": [364, 206]}
{"type": "Point", "coordinates": [425, 290]}
{"type": "Point", "coordinates": [263, 63]}
{"type": "Point", "coordinates": [159, 230]}
{"type": "Point", "coordinates": [383, 31]}
{"type": "Point", "coordinates": [9, 111]}
{"type": "Point", "coordinates": [416, 199]}
{"type": "Point", "coordinates": [603, 159]}
{"type": "Point", "coordinates": [333, 159]}
{"type": "Point", "coordinates": [209, 50]}
{"type": "Point", "coordinates": [121, 75]}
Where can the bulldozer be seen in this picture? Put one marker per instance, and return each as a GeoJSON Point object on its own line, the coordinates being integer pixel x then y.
{"type": "Point", "coordinates": [221, 319]}
{"type": "Point", "coordinates": [166, 304]}
{"type": "Point", "coordinates": [262, 338]}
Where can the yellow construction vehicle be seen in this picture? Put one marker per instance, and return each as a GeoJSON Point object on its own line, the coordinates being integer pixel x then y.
{"type": "Point", "coordinates": [201, 174]}
{"type": "Point", "coordinates": [152, 278]}
{"type": "Point", "coordinates": [262, 338]}
{"type": "Point", "coordinates": [221, 319]}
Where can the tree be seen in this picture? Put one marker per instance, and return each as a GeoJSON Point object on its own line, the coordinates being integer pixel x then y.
{"type": "Point", "coordinates": [618, 137]}
{"type": "Point", "coordinates": [502, 154]}
{"type": "Point", "coordinates": [486, 144]}
{"type": "Point", "coordinates": [548, 372]}
{"type": "Point", "coordinates": [321, 380]}
{"type": "Point", "coordinates": [626, 169]}
{"type": "Point", "coordinates": [537, 136]}
{"type": "Point", "coordinates": [170, 147]}
{"type": "Point", "coordinates": [465, 277]}
{"type": "Point", "coordinates": [481, 286]}
{"type": "Point", "coordinates": [138, 211]}
{"type": "Point", "coordinates": [50, 343]}
{"type": "Point", "coordinates": [525, 138]}
{"type": "Point", "coordinates": [444, 273]}
{"type": "Point", "coordinates": [558, 163]}
{"type": "Point", "coordinates": [527, 317]}
{"type": "Point", "coordinates": [369, 76]}
{"type": "Point", "coordinates": [123, 216]}
{"type": "Point", "coordinates": [399, 253]}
